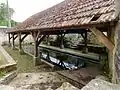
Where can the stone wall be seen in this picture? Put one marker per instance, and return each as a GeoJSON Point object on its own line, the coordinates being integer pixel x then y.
{"type": "Point", "coordinates": [3, 35]}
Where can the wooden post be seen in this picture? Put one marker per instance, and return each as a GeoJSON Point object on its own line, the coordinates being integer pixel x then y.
{"type": "Point", "coordinates": [37, 41]}
{"type": "Point", "coordinates": [108, 42]}
{"type": "Point", "coordinates": [21, 51]}
{"type": "Point", "coordinates": [85, 39]}
{"type": "Point", "coordinates": [9, 38]}
{"type": "Point", "coordinates": [111, 35]}
{"type": "Point", "coordinates": [13, 41]}
{"type": "Point", "coordinates": [48, 40]}
{"type": "Point", "coordinates": [36, 49]}
{"type": "Point", "coordinates": [20, 47]}
{"type": "Point", "coordinates": [36, 58]}
{"type": "Point", "coordinates": [62, 40]}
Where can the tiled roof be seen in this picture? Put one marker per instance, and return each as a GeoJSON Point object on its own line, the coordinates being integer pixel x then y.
{"type": "Point", "coordinates": [72, 13]}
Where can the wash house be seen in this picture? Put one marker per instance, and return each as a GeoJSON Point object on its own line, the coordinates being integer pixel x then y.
{"type": "Point", "coordinates": [75, 16]}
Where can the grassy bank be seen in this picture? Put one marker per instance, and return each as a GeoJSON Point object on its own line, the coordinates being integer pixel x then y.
{"type": "Point", "coordinates": [24, 62]}
{"type": "Point", "coordinates": [2, 59]}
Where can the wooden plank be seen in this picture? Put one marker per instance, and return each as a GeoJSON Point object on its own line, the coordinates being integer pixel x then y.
{"type": "Point", "coordinates": [102, 38]}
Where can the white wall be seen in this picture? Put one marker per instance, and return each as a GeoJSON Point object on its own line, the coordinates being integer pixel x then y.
{"type": "Point", "coordinates": [3, 35]}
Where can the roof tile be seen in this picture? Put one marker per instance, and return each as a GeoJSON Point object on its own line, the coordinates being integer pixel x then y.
{"type": "Point", "coordinates": [70, 13]}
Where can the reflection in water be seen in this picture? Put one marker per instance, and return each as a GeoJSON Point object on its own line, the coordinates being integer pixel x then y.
{"type": "Point", "coordinates": [65, 61]}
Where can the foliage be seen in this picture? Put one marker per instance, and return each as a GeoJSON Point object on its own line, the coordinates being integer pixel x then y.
{"type": "Point", "coordinates": [4, 15]}
{"type": "Point", "coordinates": [68, 41]}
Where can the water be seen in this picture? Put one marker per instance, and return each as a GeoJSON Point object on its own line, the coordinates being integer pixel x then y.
{"type": "Point", "coordinates": [65, 61]}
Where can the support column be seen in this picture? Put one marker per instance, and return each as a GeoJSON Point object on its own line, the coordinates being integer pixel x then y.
{"type": "Point", "coordinates": [109, 44]}
{"type": "Point", "coordinates": [13, 41]}
{"type": "Point", "coordinates": [48, 40]}
{"type": "Point", "coordinates": [21, 51]}
{"type": "Point", "coordinates": [111, 34]}
{"type": "Point", "coordinates": [20, 47]}
{"type": "Point", "coordinates": [85, 48]}
{"type": "Point", "coordinates": [9, 39]}
{"type": "Point", "coordinates": [36, 57]}
{"type": "Point", "coordinates": [36, 51]}
{"type": "Point", "coordinates": [62, 40]}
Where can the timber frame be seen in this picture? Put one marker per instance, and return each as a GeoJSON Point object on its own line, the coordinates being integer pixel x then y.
{"type": "Point", "coordinates": [39, 35]}
{"type": "Point", "coordinates": [57, 21]}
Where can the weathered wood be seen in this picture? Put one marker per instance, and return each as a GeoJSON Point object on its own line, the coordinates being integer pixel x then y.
{"type": "Point", "coordinates": [38, 35]}
{"type": "Point", "coordinates": [13, 42]}
{"type": "Point", "coordinates": [62, 40]}
{"type": "Point", "coordinates": [15, 37]}
{"type": "Point", "coordinates": [83, 36]}
{"type": "Point", "coordinates": [111, 35]}
{"type": "Point", "coordinates": [9, 38]}
{"type": "Point", "coordinates": [20, 41]}
{"type": "Point", "coordinates": [102, 38]}
{"type": "Point", "coordinates": [85, 49]}
{"type": "Point", "coordinates": [36, 45]}
{"type": "Point", "coordinates": [24, 37]}
{"type": "Point", "coordinates": [48, 40]}
{"type": "Point", "coordinates": [41, 39]}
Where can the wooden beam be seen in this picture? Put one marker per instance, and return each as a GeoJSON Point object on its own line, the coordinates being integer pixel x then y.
{"type": "Point", "coordinates": [11, 37]}
{"type": "Point", "coordinates": [24, 37]}
{"type": "Point", "coordinates": [102, 38]}
{"type": "Point", "coordinates": [15, 37]}
{"type": "Point", "coordinates": [41, 39]}
{"type": "Point", "coordinates": [38, 35]}
{"type": "Point", "coordinates": [83, 36]}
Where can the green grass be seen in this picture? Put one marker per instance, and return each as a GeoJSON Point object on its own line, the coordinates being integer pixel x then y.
{"type": "Point", "coordinates": [2, 59]}
{"type": "Point", "coordinates": [2, 74]}
{"type": "Point", "coordinates": [24, 62]}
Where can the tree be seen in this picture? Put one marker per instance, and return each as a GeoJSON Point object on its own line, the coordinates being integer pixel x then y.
{"type": "Point", "coordinates": [4, 15]}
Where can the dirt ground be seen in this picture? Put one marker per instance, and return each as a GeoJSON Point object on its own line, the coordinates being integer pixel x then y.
{"type": "Point", "coordinates": [37, 81]}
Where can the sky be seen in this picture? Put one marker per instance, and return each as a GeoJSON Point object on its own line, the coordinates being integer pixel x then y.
{"type": "Point", "coordinates": [25, 8]}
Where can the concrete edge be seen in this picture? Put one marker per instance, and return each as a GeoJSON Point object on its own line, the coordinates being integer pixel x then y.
{"type": "Point", "coordinates": [11, 62]}
{"type": "Point", "coordinates": [8, 78]}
